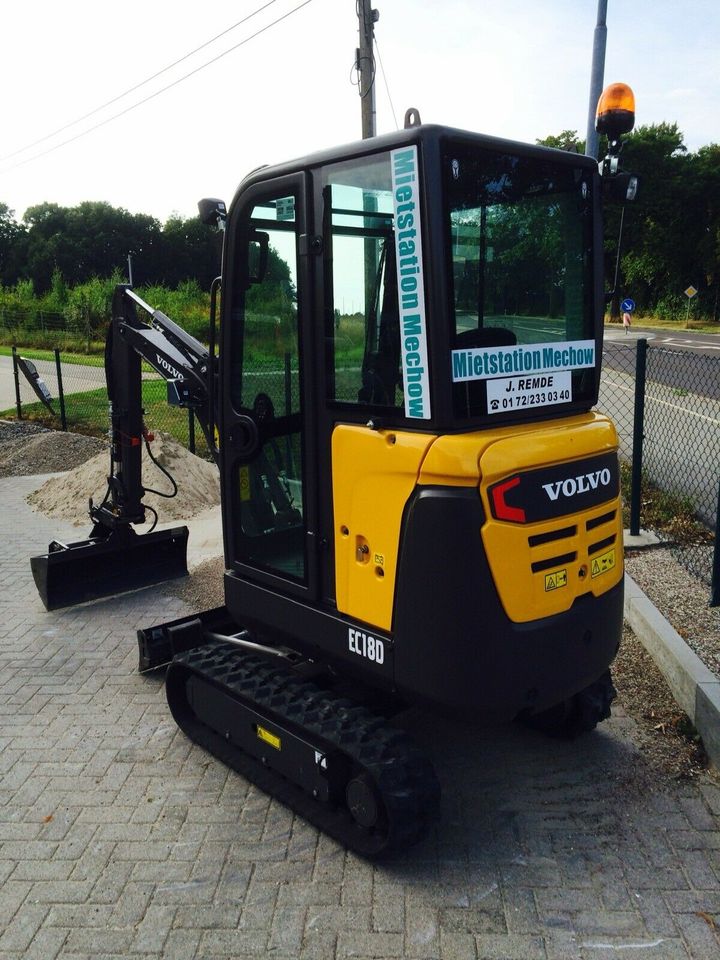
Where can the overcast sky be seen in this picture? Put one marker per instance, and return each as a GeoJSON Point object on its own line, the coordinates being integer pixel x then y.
{"type": "Point", "coordinates": [510, 68]}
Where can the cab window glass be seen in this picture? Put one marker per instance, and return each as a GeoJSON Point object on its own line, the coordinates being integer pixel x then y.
{"type": "Point", "coordinates": [362, 325]}
{"type": "Point", "coordinates": [520, 232]}
{"type": "Point", "coordinates": [265, 389]}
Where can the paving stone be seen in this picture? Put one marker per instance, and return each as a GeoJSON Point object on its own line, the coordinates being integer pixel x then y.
{"type": "Point", "coordinates": [156, 850]}
{"type": "Point", "coordinates": [658, 949]}
{"type": "Point", "coordinates": [20, 931]}
{"type": "Point", "coordinates": [511, 947]}
{"type": "Point", "coordinates": [154, 929]}
{"type": "Point", "coordinates": [380, 945]}
{"type": "Point", "coordinates": [230, 943]}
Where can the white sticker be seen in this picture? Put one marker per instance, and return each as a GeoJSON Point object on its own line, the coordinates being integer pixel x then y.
{"type": "Point", "coordinates": [521, 393]}
{"type": "Point", "coordinates": [285, 208]}
{"type": "Point", "coordinates": [411, 290]}
{"type": "Point", "coordinates": [485, 363]}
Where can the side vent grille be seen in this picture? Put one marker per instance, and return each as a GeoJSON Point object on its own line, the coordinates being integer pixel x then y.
{"type": "Point", "coordinates": [599, 521]}
{"type": "Point", "coordinates": [600, 545]}
{"type": "Point", "coordinates": [551, 562]}
{"type": "Point", "coordinates": [539, 538]}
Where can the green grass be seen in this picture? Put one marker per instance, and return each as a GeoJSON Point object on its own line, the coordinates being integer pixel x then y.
{"type": "Point", "coordinates": [669, 513]}
{"type": "Point", "coordinates": [83, 359]}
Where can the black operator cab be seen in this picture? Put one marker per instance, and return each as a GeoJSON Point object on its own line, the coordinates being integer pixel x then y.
{"type": "Point", "coordinates": [419, 503]}
{"type": "Point", "coordinates": [376, 298]}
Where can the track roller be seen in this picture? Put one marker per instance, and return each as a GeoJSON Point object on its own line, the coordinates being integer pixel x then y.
{"type": "Point", "coordinates": [579, 714]}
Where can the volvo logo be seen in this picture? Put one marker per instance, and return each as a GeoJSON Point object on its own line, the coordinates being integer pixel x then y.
{"type": "Point", "coordinates": [575, 485]}
{"type": "Point", "coordinates": [166, 365]}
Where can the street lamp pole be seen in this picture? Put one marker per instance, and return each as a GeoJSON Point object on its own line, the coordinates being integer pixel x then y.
{"type": "Point", "coordinates": [597, 73]}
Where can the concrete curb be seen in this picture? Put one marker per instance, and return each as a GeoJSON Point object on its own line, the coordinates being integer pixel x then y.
{"type": "Point", "coordinates": [696, 689]}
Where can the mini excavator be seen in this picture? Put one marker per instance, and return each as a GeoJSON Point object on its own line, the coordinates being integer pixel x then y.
{"type": "Point", "coordinates": [419, 503]}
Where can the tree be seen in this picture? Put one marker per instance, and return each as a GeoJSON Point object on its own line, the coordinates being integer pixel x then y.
{"type": "Point", "coordinates": [188, 250]}
{"type": "Point", "coordinates": [662, 224]}
{"type": "Point", "coordinates": [89, 240]}
{"type": "Point", "coordinates": [567, 140]}
{"type": "Point", "coordinates": [11, 236]}
{"type": "Point", "coordinates": [706, 173]}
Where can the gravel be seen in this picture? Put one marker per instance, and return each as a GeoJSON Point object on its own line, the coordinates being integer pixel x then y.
{"type": "Point", "coordinates": [681, 598]}
{"type": "Point", "coordinates": [663, 732]}
{"type": "Point", "coordinates": [27, 448]}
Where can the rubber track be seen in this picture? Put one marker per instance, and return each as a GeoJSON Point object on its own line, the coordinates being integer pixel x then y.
{"type": "Point", "coordinates": [402, 774]}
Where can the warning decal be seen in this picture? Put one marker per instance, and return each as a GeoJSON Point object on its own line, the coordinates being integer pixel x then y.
{"type": "Point", "coordinates": [244, 482]}
{"type": "Point", "coordinates": [268, 737]}
{"type": "Point", "coordinates": [554, 581]}
{"type": "Point", "coordinates": [602, 563]}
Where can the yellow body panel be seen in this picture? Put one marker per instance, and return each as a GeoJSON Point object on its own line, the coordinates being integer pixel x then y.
{"type": "Point", "coordinates": [374, 473]}
{"type": "Point", "coordinates": [491, 455]}
{"type": "Point", "coordinates": [528, 595]}
{"type": "Point", "coordinates": [454, 459]}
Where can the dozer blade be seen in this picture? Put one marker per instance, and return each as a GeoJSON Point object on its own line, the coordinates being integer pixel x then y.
{"type": "Point", "coordinates": [102, 566]}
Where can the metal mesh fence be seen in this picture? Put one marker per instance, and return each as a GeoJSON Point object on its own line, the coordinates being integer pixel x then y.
{"type": "Point", "coordinates": [681, 458]}
{"type": "Point", "coordinates": [681, 455]}
{"type": "Point", "coordinates": [681, 443]}
{"type": "Point", "coordinates": [617, 392]}
{"type": "Point", "coordinates": [85, 401]}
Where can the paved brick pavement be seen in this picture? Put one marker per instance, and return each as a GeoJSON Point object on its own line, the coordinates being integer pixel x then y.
{"type": "Point", "coordinates": [118, 838]}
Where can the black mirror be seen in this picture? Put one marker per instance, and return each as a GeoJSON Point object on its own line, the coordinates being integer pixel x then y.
{"type": "Point", "coordinates": [258, 251]}
{"type": "Point", "coordinates": [213, 212]}
{"type": "Point", "coordinates": [620, 187]}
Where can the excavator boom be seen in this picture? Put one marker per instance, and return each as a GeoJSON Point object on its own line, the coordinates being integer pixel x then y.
{"type": "Point", "coordinates": [115, 558]}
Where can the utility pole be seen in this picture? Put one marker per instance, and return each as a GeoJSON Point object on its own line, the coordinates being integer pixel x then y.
{"type": "Point", "coordinates": [365, 64]}
{"type": "Point", "coordinates": [597, 73]}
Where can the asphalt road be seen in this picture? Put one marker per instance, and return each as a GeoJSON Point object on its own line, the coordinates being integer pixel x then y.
{"type": "Point", "coordinates": [7, 385]}
{"type": "Point", "coordinates": [77, 378]}
{"type": "Point", "coordinates": [704, 343]}
{"type": "Point", "coordinates": [681, 450]}
{"type": "Point", "coordinates": [679, 363]}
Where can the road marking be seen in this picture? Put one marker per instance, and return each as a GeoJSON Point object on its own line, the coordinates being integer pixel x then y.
{"type": "Point", "coordinates": [690, 344]}
{"type": "Point", "coordinates": [665, 403]}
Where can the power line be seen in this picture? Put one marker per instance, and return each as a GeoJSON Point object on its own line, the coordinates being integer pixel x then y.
{"type": "Point", "coordinates": [157, 93]}
{"type": "Point", "coordinates": [137, 86]}
{"type": "Point", "coordinates": [387, 88]}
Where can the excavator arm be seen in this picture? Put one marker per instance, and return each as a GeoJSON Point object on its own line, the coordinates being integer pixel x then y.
{"type": "Point", "coordinates": [115, 557]}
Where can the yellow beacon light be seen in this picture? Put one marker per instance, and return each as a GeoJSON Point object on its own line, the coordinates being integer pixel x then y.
{"type": "Point", "coordinates": [615, 111]}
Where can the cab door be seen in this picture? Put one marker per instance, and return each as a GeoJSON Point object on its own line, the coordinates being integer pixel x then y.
{"type": "Point", "coordinates": [266, 442]}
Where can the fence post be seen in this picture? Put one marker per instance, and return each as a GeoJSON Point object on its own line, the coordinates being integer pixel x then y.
{"type": "Point", "coordinates": [638, 436]}
{"type": "Point", "coordinates": [61, 393]}
{"type": "Point", "coordinates": [191, 430]}
{"type": "Point", "coordinates": [16, 375]}
{"type": "Point", "coordinates": [715, 588]}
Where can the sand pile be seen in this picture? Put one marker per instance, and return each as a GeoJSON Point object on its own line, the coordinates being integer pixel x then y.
{"type": "Point", "coordinates": [66, 497]}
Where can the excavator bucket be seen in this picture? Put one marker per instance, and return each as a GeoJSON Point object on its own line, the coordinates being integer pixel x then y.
{"type": "Point", "coordinates": [105, 565]}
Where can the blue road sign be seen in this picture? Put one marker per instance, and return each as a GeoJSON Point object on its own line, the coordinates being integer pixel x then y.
{"type": "Point", "coordinates": [628, 305]}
